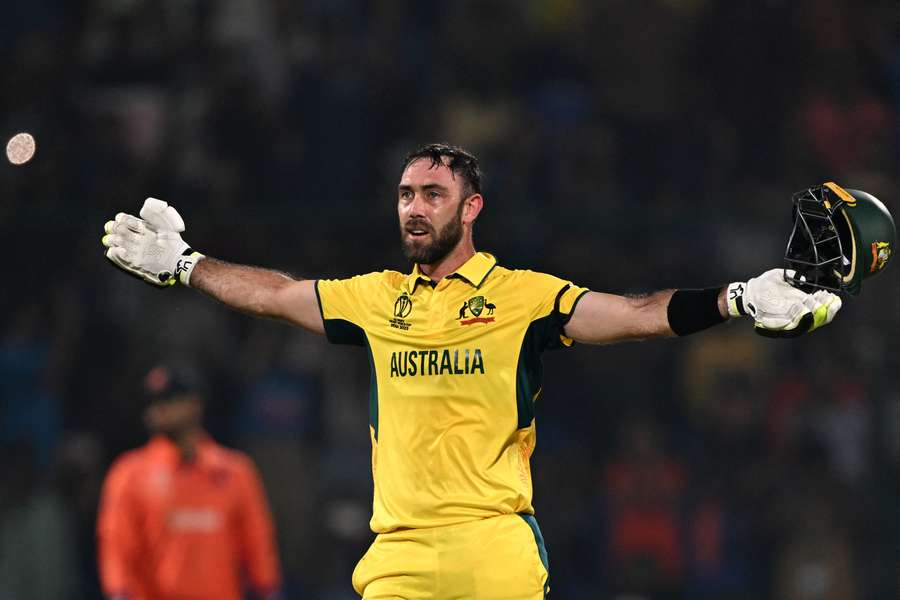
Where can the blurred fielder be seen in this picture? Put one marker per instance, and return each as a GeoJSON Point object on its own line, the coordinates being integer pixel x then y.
{"type": "Point", "coordinates": [183, 517]}
{"type": "Point", "coordinates": [455, 351]}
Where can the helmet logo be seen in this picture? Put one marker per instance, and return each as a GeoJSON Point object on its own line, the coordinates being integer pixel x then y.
{"type": "Point", "coordinates": [881, 253]}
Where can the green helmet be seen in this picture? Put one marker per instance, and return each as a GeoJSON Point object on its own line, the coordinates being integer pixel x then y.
{"type": "Point", "coordinates": [840, 237]}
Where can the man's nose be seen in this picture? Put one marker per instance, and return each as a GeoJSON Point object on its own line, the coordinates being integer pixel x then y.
{"type": "Point", "coordinates": [417, 205]}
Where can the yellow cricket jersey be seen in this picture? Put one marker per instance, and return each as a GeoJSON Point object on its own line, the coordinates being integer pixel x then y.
{"type": "Point", "coordinates": [455, 372]}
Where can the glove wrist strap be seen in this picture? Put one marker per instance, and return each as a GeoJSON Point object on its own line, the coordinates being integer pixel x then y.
{"type": "Point", "coordinates": [185, 266]}
{"type": "Point", "coordinates": [735, 297]}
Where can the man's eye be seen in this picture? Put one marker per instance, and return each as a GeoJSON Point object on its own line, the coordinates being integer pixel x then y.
{"type": "Point", "coordinates": [434, 194]}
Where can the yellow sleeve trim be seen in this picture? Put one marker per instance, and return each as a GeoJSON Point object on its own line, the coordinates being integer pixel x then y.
{"type": "Point", "coordinates": [570, 298]}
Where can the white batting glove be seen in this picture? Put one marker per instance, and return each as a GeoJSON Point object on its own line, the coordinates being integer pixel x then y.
{"type": "Point", "coordinates": [824, 306]}
{"type": "Point", "coordinates": [151, 248]}
{"type": "Point", "coordinates": [161, 216]}
{"type": "Point", "coordinates": [166, 220]}
{"type": "Point", "coordinates": [778, 308]}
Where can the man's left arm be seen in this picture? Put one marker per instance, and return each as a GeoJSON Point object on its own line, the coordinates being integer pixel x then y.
{"type": "Point", "coordinates": [601, 318]}
{"type": "Point", "coordinates": [777, 308]}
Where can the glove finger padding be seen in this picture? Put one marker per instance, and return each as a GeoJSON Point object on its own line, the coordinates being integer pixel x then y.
{"type": "Point", "coordinates": [132, 223]}
{"type": "Point", "coordinates": [823, 306]}
{"type": "Point", "coordinates": [796, 319]}
{"type": "Point", "coordinates": [117, 255]}
{"type": "Point", "coordinates": [118, 235]}
{"type": "Point", "coordinates": [803, 326]}
{"type": "Point", "coordinates": [162, 216]}
{"type": "Point", "coordinates": [819, 309]}
{"type": "Point", "coordinates": [129, 235]}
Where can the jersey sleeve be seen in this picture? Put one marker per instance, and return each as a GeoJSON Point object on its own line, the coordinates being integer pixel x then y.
{"type": "Point", "coordinates": [553, 300]}
{"type": "Point", "coordinates": [257, 533]}
{"type": "Point", "coordinates": [343, 303]}
{"type": "Point", "coordinates": [117, 534]}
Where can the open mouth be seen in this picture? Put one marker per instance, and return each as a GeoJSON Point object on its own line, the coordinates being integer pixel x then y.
{"type": "Point", "coordinates": [417, 232]}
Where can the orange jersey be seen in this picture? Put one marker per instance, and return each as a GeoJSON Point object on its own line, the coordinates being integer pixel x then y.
{"type": "Point", "coordinates": [170, 530]}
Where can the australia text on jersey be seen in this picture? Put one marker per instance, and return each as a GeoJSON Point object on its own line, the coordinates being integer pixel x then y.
{"type": "Point", "coordinates": [408, 363]}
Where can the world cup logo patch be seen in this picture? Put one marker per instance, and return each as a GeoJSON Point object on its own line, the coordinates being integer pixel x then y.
{"type": "Point", "coordinates": [402, 309]}
{"type": "Point", "coordinates": [403, 306]}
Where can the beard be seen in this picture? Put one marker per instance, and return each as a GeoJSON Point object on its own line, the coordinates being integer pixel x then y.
{"type": "Point", "coordinates": [442, 242]}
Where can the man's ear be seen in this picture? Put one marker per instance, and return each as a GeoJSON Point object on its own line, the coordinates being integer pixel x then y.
{"type": "Point", "coordinates": [472, 208]}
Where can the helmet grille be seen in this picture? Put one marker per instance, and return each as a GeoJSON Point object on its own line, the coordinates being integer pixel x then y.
{"type": "Point", "coordinates": [815, 249]}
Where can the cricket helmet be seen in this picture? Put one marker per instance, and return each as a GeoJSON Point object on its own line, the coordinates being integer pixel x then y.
{"type": "Point", "coordinates": [840, 237]}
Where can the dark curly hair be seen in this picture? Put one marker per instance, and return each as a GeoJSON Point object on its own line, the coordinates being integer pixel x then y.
{"type": "Point", "coordinates": [459, 161]}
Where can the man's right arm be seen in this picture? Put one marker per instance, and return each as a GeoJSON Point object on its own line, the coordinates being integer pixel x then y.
{"type": "Point", "coordinates": [151, 248]}
{"type": "Point", "coordinates": [260, 292]}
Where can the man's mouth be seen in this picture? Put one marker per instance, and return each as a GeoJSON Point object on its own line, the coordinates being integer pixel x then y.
{"type": "Point", "coordinates": [417, 232]}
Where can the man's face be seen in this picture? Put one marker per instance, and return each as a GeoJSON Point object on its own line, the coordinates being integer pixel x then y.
{"type": "Point", "coordinates": [430, 205]}
{"type": "Point", "coordinates": [173, 416]}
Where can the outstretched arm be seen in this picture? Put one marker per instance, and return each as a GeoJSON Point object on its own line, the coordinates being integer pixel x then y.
{"type": "Point", "coordinates": [152, 249]}
{"type": "Point", "coordinates": [607, 318]}
{"type": "Point", "coordinates": [260, 292]}
{"type": "Point", "coordinates": [778, 309]}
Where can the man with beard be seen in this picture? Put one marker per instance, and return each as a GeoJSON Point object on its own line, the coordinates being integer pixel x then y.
{"type": "Point", "coordinates": [183, 517]}
{"type": "Point", "coordinates": [455, 353]}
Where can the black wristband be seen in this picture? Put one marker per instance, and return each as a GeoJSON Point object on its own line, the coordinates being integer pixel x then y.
{"type": "Point", "coordinates": [690, 311]}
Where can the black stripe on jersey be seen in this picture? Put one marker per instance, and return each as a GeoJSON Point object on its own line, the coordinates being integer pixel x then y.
{"type": "Point", "coordinates": [530, 369]}
{"type": "Point", "coordinates": [541, 548]}
{"type": "Point", "coordinates": [339, 331]}
{"type": "Point", "coordinates": [542, 334]}
{"type": "Point", "coordinates": [319, 300]}
{"type": "Point", "coordinates": [373, 390]}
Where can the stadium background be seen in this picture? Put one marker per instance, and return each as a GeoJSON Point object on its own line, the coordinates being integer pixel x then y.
{"type": "Point", "coordinates": [627, 145]}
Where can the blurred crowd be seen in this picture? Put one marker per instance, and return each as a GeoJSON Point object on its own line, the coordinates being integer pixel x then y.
{"type": "Point", "coordinates": [627, 146]}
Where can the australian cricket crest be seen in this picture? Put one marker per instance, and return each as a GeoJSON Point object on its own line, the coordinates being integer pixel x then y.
{"type": "Point", "coordinates": [881, 254]}
{"type": "Point", "coordinates": [476, 306]}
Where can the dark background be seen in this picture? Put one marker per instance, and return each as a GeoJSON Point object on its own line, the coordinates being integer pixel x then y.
{"type": "Point", "coordinates": [627, 145]}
